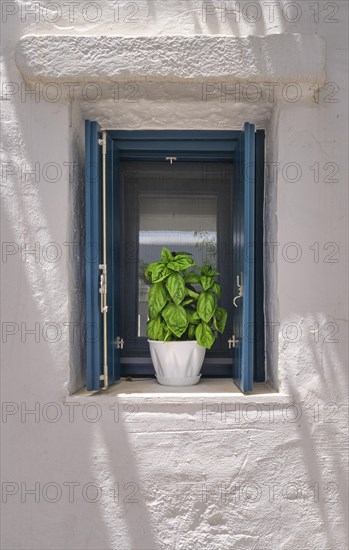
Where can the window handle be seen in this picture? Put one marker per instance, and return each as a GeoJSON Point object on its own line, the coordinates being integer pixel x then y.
{"type": "Point", "coordinates": [241, 289]}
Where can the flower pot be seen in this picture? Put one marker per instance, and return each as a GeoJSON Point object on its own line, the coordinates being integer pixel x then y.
{"type": "Point", "coordinates": [177, 363]}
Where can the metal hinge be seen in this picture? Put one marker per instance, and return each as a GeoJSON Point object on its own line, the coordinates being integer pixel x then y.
{"type": "Point", "coordinates": [232, 342]}
{"type": "Point", "coordinates": [102, 141]}
{"type": "Point", "coordinates": [119, 343]}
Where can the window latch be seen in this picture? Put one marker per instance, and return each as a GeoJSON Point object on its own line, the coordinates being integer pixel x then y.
{"type": "Point", "coordinates": [103, 287]}
{"type": "Point", "coordinates": [119, 343]}
{"type": "Point", "coordinates": [171, 159]}
{"type": "Point", "coordinates": [240, 288]}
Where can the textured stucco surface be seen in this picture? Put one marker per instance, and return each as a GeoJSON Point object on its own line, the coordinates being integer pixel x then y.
{"type": "Point", "coordinates": [172, 57]}
{"type": "Point", "coordinates": [173, 475]}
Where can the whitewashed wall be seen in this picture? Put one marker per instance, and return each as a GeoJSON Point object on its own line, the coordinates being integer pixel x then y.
{"type": "Point", "coordinates": [202, 477]}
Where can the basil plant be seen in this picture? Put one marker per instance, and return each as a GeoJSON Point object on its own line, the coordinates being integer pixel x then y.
{"type": "Point", "coordinates": [183, 300]}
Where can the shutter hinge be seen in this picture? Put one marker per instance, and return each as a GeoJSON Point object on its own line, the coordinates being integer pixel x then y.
{"type": "Point", "coordinates": [103, 142]}
{"type": "Point", "coordinates": [104, 378]}
{"type": "Point", "coordinates": [232, 342]}
{"type": "Point", "coordinates": [119, 343]}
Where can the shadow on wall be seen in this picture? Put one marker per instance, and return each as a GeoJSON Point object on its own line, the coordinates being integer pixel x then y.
{"type": "Point", "coordinates": [123, 509]}
{"type": "Point", "coordinates": [43, 198]}
{"type": "Point", "coordinates": [239, 19]}
{"type": "Point", "coordinates": [322, 396]}
{"type": "Point", "coordinates": [27, 199]}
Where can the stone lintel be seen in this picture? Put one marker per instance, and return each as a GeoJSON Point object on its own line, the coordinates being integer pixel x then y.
{"type": "Point", "coordinates": [274, 58]}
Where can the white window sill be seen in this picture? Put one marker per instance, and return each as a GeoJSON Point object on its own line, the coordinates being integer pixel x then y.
{"type": "Point", "coordinates": [209, 390]}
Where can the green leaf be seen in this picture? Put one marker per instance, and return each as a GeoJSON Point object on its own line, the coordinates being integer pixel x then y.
{"type": "Point", "coordinates": [192, 293]}
{"type": "Point", "coordinates": [160, 272]}
{"type": "Point", "coordinates": [193, 316]}
{"type": "Point", "coordinates": [206, 282]}
{"type": "Point", "coordinates": [176, 318]}
{"type": "Point", "coordinates": [220, 319]}
{"type": "Point", "coordinates": [181, 262]}
{"type": "Point", "coordinates": [206, 305]}
{"type": "Point", "coordinates": [188, 301]}
{"type": "Point", "coordinates": [217, 289]}
{"type": "Point", "coordinates": [191, 277]}
{"type": "Point", "coordinates": [156, 329]}
{"type": "Point", "coordinates": [150, 268]}
{"type": "Point", "coordinates": [166, 255]}
{"type": "Point", "coordinates": [168, 336]}
{"type": "Point", "coordinates": [176, 287]}
{"type": "Point", "coordinates": [208, 270]}
{"type": "Point", "coordinates": [191, 332]}
{"type": "Point", "coordinates": [157, 299]}
{"type": "Point", "coordinates": [204, 335]}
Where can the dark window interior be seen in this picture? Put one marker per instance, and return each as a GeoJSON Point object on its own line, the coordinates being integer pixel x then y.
{"type": "Point", "coordinates": [183, 206]}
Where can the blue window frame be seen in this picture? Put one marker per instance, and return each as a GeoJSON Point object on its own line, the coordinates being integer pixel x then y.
{"type": "Point", "coordinates": [245, 149]}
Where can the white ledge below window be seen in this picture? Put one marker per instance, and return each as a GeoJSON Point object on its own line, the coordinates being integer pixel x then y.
{"type": "Point", "coordinates": [209, 390]}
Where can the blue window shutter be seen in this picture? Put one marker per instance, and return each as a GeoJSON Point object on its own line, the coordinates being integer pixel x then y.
{"type": "Point", "coordinates": [259, 358]}
{"type": "Point", "coordinates": [244, 260]}
{"type": "Point", "coordinates": [94, 326]}
{"type": "Point", "coordinates": [94, 247]}
{"type": "Point", "coordinates": [113, 246]}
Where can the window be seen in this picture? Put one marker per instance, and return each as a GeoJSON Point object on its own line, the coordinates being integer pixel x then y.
{"type": "Point", "coordinates": [196, 191]}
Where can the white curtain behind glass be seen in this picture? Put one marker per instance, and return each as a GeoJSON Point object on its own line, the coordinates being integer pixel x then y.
{"type": "Point", "coordinates": [181, 223]}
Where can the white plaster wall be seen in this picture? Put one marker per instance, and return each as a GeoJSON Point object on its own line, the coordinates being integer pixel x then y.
{"type": "Point", "coordinates": [201, 480]}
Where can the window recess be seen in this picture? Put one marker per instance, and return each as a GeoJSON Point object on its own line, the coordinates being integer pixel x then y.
{"type": "Point", "coordinates": [197, 191]}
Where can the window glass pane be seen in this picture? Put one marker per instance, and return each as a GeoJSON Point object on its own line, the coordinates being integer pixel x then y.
{"type": "Point", "coordinates": [181, 223]}
{"type": "Point", "coordinates": [186, 207]}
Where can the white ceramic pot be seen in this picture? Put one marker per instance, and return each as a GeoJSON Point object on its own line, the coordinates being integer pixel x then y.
{"type": "Point", "coordinates": [177, 363]}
